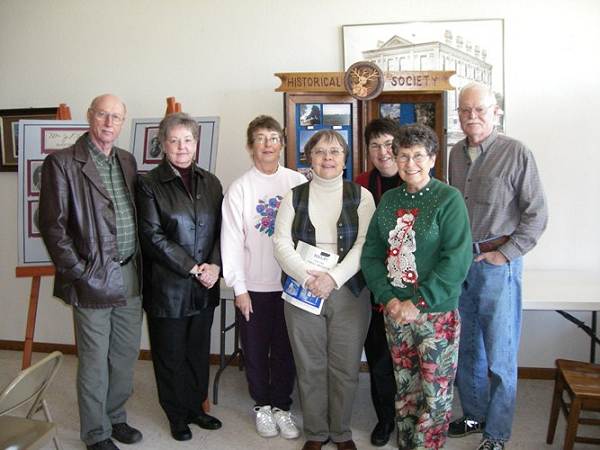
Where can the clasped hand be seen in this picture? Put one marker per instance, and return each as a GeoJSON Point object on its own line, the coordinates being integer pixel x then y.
{"type": "Point", "coordinates": [207, 274]}
{"type": "Point", "coordinates": [402, 311]}
{"type": "Point", "coordinates": [320, 283]}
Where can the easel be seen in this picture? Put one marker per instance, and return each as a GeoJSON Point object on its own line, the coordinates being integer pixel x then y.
{"type": "Point", "coordinates": [36, 273]}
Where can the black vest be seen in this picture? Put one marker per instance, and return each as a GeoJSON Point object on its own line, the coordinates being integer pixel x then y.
{"type": "Point", "coordinates": [347, 225]}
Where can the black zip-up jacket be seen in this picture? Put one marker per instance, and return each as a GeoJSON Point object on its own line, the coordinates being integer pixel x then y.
{"type": "Point", "coordinates": [178, 230]}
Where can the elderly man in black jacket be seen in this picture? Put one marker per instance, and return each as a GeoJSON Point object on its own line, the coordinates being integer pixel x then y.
{"type": "Point", "coordinates": [88, 223]}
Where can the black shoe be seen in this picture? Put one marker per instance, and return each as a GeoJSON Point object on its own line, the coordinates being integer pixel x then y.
{"type": "Point", "coordinates": [207, 422]}
{"type": "Point", "coordinates": [180, 431]}
{"type": "Point", "coordinates": [381, 433]}
{"type": "Point", "coordinates": [464, 426]}
{"type": "Point", "coordinates": [125, 434]}
{"type": "Point", "coordinates": [106, 444]}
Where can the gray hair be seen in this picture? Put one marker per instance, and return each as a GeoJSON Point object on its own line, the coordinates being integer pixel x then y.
{"type": "Point", "coordinates": [329, 136]}
{"type": "Point", "coordinates": [176, 120]}
{"type": "Point", "coordinates": [486, 91]}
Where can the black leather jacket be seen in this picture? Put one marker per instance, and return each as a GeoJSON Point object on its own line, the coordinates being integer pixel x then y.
{"type": "Point", "coordinates": [178, 231]}
{"type": "Point", "coordinates": [78, 225]}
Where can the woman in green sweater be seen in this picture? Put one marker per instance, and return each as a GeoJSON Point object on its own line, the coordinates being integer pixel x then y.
{"type": "Point", "coordinates": [416, 255]}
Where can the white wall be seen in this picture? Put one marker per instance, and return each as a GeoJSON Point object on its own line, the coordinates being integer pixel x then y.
{"type": "Point", "coordinates": [218, 57]}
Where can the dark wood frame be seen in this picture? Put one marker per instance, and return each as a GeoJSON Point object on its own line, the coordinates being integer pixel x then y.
{"type": "Point", "coordinates": [8, 161]}
{"type": "Point", "coordinates": [363, 112]}
{"type": "Point", "coordinates": [437, 98]}
{"type": "Point", "coordinates": [289, 104]}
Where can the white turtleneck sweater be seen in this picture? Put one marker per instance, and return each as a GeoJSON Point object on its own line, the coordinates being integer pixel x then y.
{"type": "Point", "coordinates": [324, 208]}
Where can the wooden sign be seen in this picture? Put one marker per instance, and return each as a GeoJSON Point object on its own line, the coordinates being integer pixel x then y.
{"type": "Point", "coordinates": [311, 82]}
{"type": "Point", "coordinates": [364, 80]}
{"type": "Point", "coordinates": [418, 81]}
{"type": "Point", "coordinates": [430, 80]}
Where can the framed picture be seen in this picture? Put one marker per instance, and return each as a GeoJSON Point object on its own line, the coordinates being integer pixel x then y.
{"type": "Point", "coordinates": [37, 139]}
{"type": "Point", "coordinates": [307, 113]}
{"type": "Point", "coordinates": [474, 49]}
{"type": "Point", "coordinates": [336, 115]}
{"type": "Point", "coordinates": [152, 151]}
{"type": "Point", "coordinates": [34, 177]}
{"type": "Point", "coordinates": [33, 219]}
{"type": "Point", "coordinates": [9, 128]}
{"type": "Point", "coordinates": [56, 138]}
{"type": "Point", "coordinates": [310, 114]}
{"type": "Point", "coordinates": [148, 152]}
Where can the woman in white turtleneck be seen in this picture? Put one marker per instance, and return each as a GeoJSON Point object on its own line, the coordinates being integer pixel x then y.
{"type": "Point", "coordinates": [334, 215]}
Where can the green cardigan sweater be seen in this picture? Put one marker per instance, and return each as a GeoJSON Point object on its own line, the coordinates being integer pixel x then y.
{"type": "Point", "coordinates": [428, 237]}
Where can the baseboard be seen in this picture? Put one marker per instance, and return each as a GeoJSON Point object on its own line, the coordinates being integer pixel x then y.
{"type": "Point", "coordinates": [537, 373]}
{"type": "Point", "coordinates": [532, 373]}
{"type": "Point", "coordinates": [70, 349]}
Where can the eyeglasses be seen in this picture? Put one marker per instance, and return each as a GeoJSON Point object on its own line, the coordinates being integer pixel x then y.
{"type": "Point", "coordinates": [418, 158]}
{"type": "Point", "coordinates": [478, 110]}
{"type": "Point", "coordinates": [385, 146]}
{"type": "Point", "coordinates": [262, 140]}
{"type": "Point", "coordinates": [102, 115]}
{"type": "Point", "coordinates": [334, 152]}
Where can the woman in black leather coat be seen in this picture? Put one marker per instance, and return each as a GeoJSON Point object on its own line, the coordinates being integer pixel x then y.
{"type": "Point", "coordinates": [179, 206]}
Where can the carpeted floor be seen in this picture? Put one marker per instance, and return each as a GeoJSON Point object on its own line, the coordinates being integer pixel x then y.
{"type": "Point", "coordinates": [234, 409]}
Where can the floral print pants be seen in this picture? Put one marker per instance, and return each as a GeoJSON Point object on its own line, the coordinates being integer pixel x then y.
{"type": "Point", "coordinates": [424, 354]}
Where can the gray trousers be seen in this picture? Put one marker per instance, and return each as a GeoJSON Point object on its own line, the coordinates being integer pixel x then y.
{"type": "Point", "coordinates": [108, 344]}
{"type": "Point", "coordinates": [327, 350]}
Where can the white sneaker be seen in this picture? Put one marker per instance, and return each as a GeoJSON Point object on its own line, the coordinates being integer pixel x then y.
{"type": "Point", "coordinates": [265, 422]}
{"type": "Point", "coordinates": [285, 423]}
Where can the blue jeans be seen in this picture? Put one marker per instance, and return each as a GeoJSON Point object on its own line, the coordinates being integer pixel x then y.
{"type": "Point", "coordinates": [490, 310]}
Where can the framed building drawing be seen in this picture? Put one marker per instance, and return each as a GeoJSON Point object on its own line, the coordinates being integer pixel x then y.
{"type": "Point", "coordinates": [37, 139]}
{"type": "Point", "coordinates": [146, 147]}
{"type": "Point", "coordinates": [472, 48]}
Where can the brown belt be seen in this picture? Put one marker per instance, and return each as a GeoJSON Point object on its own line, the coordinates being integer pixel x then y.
{"type": "Point", "coordinates": [489, 246]}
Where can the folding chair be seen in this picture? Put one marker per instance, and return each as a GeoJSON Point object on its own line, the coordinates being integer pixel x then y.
{"type": "Point", "coordinates": [30, 386]}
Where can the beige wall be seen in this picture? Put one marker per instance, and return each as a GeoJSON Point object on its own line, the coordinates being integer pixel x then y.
{"type": "Point", "coordinates": [218, 57]}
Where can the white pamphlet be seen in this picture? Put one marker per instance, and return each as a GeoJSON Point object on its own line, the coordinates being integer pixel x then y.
{"type": "Point", "coordinates": [317, 259]}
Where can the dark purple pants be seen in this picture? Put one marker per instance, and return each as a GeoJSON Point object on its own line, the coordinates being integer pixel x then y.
{"type": "Point", "coordinates": [268, 356]}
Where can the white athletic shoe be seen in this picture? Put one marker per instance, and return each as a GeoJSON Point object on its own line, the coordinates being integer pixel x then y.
{"type": "Point", "coordinates": [265, 422]}
{"type": "Point", "coordinates": [285, 423]}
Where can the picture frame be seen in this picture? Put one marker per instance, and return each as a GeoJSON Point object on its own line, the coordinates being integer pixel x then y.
{"type": "Point", "coordinates": [152, 150]}
{"type": "Point", "coordinates": [34, 177]}
{"type": "Point", "coordinates": [37, 139]}
{"type": "Point", "coordinates": [145, 146]}
{"type": "Point", "coordinates": [33, 219]}
{"type": "Point", "coordinates": [9, 139]}
{"type": "Point", "coordinates": [474, 49]}
{"type": "Point", "coordinates": [57, 138]}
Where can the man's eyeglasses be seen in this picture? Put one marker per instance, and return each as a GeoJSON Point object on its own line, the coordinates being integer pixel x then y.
{"type": "Point", "coordinates": [322, 152]}
{"type": "Point", "coordinates": [478, 110]}
{"type": "Point", "coordinates": [385, 146]}
{"type": "Point", "coordinates": [102, 115]}
{"type": "Point", "coordinates": [262, 140]}
{"type": "Point", "coordinates": [418, 158]}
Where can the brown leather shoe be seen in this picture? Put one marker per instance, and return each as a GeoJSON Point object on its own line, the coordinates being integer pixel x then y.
{"type": "Point", "coordinates": [312, 445]}
{"type": "Point", "coordinates": [346, 445]}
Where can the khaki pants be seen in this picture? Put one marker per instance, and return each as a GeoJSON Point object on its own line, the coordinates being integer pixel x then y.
{"type": "Point", "coordinates": [108, 344]}
{"type": "Point", "coordinates": [327, 350]}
